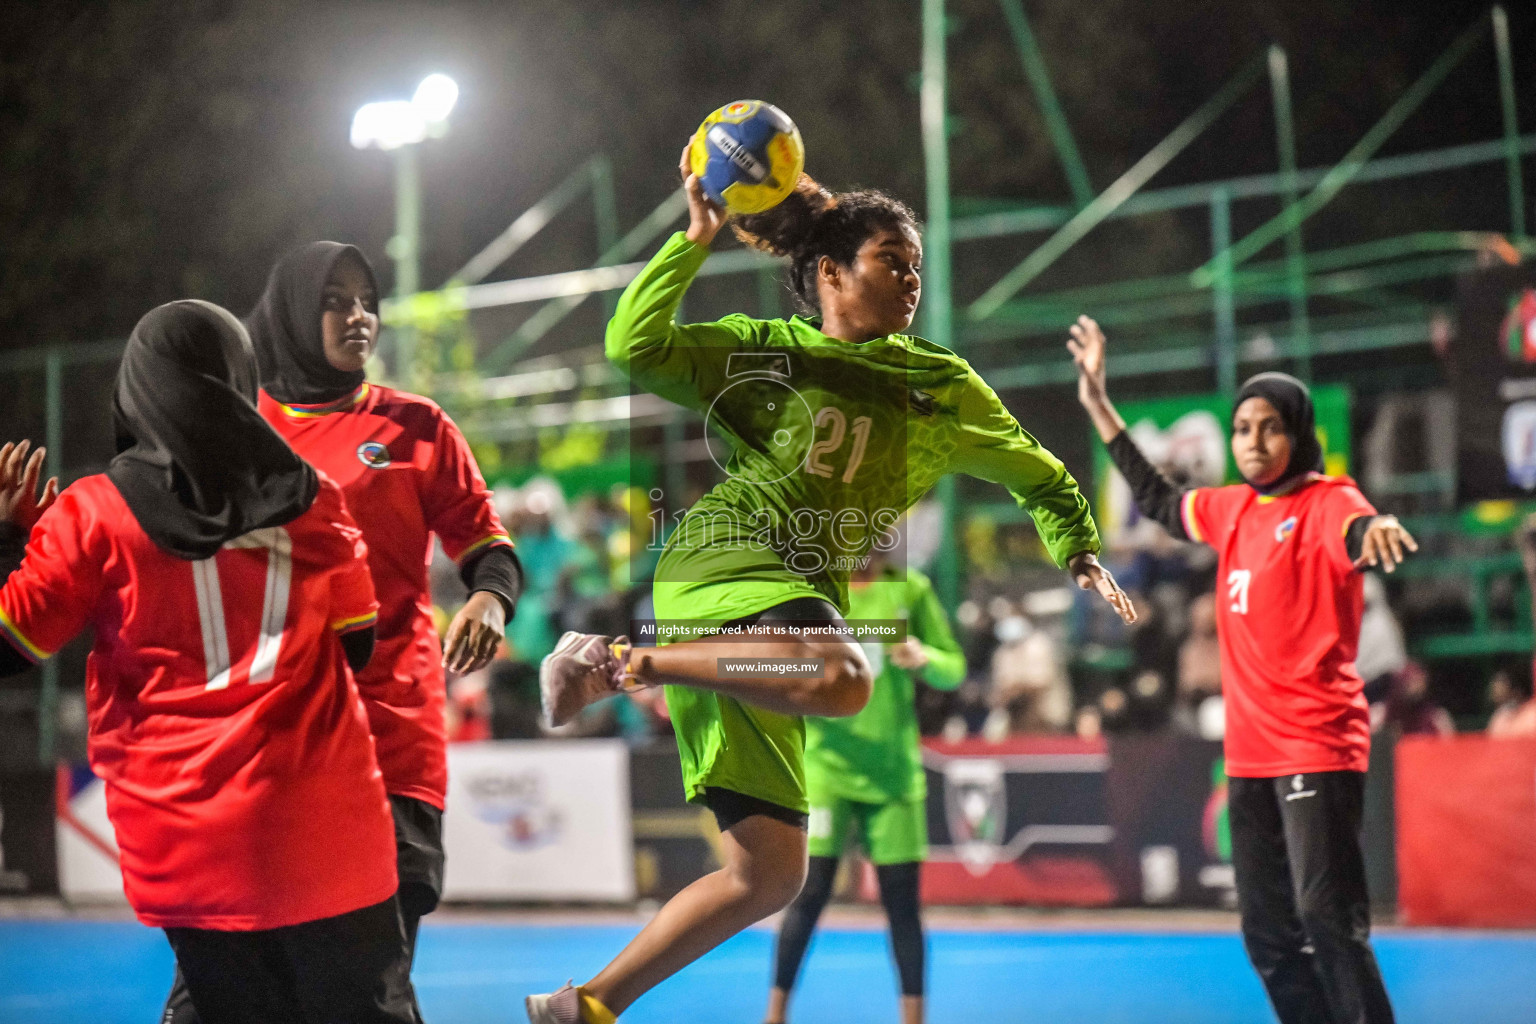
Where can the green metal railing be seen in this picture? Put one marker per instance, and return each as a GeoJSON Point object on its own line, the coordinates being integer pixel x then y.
{"type": "Point", "coordinates": [1483, 638]}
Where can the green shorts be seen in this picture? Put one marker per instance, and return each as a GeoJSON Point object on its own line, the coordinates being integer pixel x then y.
{"type": "Point", "coordinates": [722, 742]}
{"type": "Point", "coordinates": [725, 744]}
{"type": "Point", "coordinates": [890, 833]}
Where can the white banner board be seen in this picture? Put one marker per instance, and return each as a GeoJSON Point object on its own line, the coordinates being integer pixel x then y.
{"type": "Point", "coordinates": [539, 820]}
{"type": "Point", "coordinates": [88, 871]}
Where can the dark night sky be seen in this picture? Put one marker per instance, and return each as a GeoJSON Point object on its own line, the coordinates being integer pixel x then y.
{"type": "Point", "coordinates": [155, 150]}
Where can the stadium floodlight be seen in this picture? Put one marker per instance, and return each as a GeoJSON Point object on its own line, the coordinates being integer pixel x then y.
{"type": "Point", "coordinates": [388, 125]}
{"type": "Point", "coordinates": [435, 97]}
{"type": "Point", "coordinates": [391, 124]}
{"type": "Point", "coordinates": [396, 126]}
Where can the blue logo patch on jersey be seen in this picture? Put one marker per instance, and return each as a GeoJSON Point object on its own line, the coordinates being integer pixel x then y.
{"type": "Point", "coordinates": [1285, 529]}
{"type": "Point", "coordinates": [373, 454]}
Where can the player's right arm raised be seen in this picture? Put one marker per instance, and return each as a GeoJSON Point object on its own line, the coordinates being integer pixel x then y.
{"type": "Point", "coordinates": [1156, 496]}
{"type": "Point", "coordinates": [683, 363]}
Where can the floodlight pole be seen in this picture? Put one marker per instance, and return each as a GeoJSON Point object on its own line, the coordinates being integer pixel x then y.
{"type": "Point", "coordinates": [405, 250]}
{"type": "Point", "coordinates": [1290, 192]}
{"type": "Point", "coordinates": [1511, 123]}
{"type": "Point", "coordinates": [938, 303]}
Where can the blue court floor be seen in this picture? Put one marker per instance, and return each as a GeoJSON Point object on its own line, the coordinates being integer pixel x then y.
{"type": "Point", "coordinates": [109, 972]}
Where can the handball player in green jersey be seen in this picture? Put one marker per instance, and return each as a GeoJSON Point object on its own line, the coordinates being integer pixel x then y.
{"type": "Point", "coordinates": [864, 774]}
{"type": "Point", "coordinates": [828, 428]}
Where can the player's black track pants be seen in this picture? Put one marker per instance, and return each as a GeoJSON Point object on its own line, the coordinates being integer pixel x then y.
{"type": "Point", "coordinates": [1301, 890]}
{"type": "Point", "coordinates": [349, 969]}
{"type": "Point", "coordinates": [419, 859]}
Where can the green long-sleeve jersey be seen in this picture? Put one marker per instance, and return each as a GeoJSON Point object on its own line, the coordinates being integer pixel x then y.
{"type": "Point", "coordinates": [875, 756]}
{"type": "Point", "coordinates": [825, 444]}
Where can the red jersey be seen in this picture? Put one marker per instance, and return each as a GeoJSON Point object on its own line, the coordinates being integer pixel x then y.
{"type": "Point", "coordinates": [1288, 607]}
{"type": "Point", "coordinates": [407, 474]}
{"type": "Point", "coordinates": [239, 771]}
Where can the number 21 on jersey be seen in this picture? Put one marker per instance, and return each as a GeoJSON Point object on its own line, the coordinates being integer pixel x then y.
{"type": "Point", "coordinates": [1237, 590]}
{"type": "Point", "coordinates": [834, 416]}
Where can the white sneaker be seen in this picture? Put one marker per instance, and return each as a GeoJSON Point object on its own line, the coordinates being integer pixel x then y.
{"type": "Point", "coordinates": [581, 670]}
{"type": "Point", "coordinates": [562, 1006]}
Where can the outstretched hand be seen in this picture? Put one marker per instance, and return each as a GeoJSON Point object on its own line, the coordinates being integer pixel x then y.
{"type": "Point", "coordinates": [1384, 543]}
{"type": "Point", "coordinates": [705, 216]}
{"type": "Point", "coordinates": [1090, 575]}
{"type": "Point", "coordinates": [474, 634]}
{"type": "Point", "coordinates": [1087, 348]}
{"type": "Point", "coordinates": [908, 654]}
{"type": "Point", "coordinates": [20, 503]}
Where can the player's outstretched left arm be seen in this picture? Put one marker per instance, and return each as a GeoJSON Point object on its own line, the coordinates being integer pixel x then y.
{"type": "Point", "coordinates": [1385, 543]}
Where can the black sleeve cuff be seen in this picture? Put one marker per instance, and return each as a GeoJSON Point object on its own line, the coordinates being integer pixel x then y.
{"type": "Point", "coordinates": [13, 546]}
{"type": "Point", "coordinates": [496, 571]}
{"type": "Point", "coordinates": [1157, 498]}
{"type": "Point", "coordinates": [1354, 535]}
{"type": "Point", "coordinates": [358, 647]}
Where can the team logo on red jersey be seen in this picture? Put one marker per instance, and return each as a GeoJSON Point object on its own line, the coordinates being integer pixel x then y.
{"type": "Point", "coordinates": [373, 454]}
{"type": "Point", "coordinates": [1285, 529]}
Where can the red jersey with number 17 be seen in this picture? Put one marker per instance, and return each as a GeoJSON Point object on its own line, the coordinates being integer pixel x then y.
{"type": "Point", "coordinates": [240, 776]}
{"type": "Point", "coordinates": [1288, 607]}
{"type": "Point", "coordinates": [407, 474]}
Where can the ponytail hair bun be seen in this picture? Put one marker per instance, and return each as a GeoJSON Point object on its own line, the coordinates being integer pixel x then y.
{"type": "Point", "coordinates": [789, 227]}
{"type": "Point", "coordinates": [813, 222]}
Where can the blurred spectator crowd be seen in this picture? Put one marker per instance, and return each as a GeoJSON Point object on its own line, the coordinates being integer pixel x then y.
{"type": "Point", "coordinates": [1042, 656]}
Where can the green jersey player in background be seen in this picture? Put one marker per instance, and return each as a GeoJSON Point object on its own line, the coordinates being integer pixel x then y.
{"type": "Point", "coordinates": [828, 428]}
{"type": "Point", "coordinates": [864, 774]}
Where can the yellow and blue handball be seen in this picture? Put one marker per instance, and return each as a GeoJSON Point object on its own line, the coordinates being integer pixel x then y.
{"type": "Point", "coordinates": [748, 156]}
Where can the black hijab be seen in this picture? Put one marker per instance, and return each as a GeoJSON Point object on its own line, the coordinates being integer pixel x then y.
{"type": "Point", "coordinates": [1293, 402]}
{"type": "Point", "coordinates": [196, 463]}
{"type": "Point", "coordinates": [285, 327]}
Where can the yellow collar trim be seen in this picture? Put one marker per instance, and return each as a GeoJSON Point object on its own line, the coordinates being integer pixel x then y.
{"type": "Point", "coordinates": [309, 412]}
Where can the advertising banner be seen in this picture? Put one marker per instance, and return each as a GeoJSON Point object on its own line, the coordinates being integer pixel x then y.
{"type": "Point", "coordinates": [539, 820]}
{"type": "Point", "coordinates": [1466, 831]}
{"type": "Point", "coordinates": [1023, 821]}
{"type": "Point", "coordinates": [1168, 805]}
{"type": "Point", "coordinates": [88, 870]}
{"type": "Point", "coordinates": [1493, 371]}
{"type": "Point", "coordinates": [1186, 436]}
